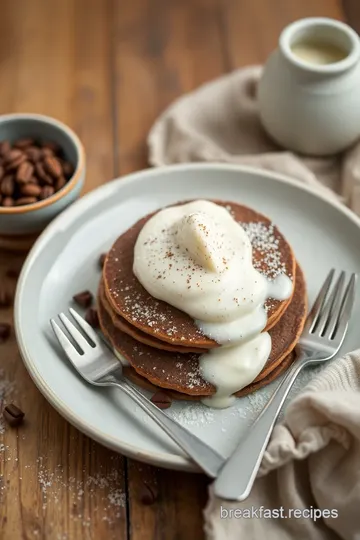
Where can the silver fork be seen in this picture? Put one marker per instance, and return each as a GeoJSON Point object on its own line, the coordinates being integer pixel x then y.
{"type": "Point", "coordinates": [323, 334]}
{"type": "Point", "coordinates": [97, 364]}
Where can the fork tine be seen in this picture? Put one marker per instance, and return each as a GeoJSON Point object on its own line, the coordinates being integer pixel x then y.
{"type": "Point", "coordinates": [313, 317]}
{"type": "Point", "coordinates": [330, 313]}
{"type": "Point", "coordinates": [345, 310]}
{"type": "Point", "coordinates": [75, 334]}
{"type": "Point", "coordinates": [89, 331]}
{"type": "Point", "coordinates": [64, 341]}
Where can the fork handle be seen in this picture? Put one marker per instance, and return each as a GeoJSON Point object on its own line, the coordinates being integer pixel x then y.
{"type": "Point", "coordinates": [236, 478]}
{"type": "Point", "coordinates": [209, 460]}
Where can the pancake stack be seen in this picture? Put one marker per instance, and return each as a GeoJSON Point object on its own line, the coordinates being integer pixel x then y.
{"type": "Point", "coordinates": [162, 345]}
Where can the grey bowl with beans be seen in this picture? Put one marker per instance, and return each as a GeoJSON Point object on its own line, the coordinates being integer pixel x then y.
{"type": "Point", "coordinates": [42, 170]}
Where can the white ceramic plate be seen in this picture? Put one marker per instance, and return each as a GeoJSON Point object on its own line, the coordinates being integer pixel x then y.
{"type": "Point", "coordinates": [65, 260]}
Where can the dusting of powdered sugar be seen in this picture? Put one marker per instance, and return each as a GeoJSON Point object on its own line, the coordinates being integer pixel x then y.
{"type": "Point", "coordinates": [106, 485]}
{"type": "Point", "coordinates": [102, 486]}
{"type": "Point", "coordinates": [266, 242]}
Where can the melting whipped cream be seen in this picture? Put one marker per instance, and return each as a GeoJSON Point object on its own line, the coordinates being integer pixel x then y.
{"type": "Point", "coordinates": [197, 258]}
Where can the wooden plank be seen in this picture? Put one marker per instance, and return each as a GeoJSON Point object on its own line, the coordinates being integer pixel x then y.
{"type": "Point", "coordinates": [351, 10]}
{"type": "Point", "coordinates": [55, 482]}
{"type": "Point", "coordinates": [162, 50]}
{"type": "Point", "coordinates": [177, 512]}
{"type": "Point", "coordinates": [251, 29]}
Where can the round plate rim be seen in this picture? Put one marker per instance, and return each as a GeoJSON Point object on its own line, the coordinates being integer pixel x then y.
{"type": "Point", "coordinates": [163, 459]}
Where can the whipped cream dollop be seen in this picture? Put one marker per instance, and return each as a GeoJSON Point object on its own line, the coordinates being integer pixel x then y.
{"type": "Point", "coordinates": [197, 258]}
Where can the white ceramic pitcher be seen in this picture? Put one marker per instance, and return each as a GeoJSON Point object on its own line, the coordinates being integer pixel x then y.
{"type": "Point", "coordinates": [309, 92]}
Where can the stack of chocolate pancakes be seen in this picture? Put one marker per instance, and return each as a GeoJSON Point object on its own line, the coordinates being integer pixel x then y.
{"type": "Point", "coordinates": [162, 345]}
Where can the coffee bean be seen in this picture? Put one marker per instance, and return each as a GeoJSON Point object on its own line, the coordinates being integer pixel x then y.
{"type": "Point", "coordinates": [148, 494]}
{"type": "Point", "coordinates": [53, 166]}
{"type": "Point", "coordinates": [24, 172]}
{"type": "Point", "coordinates": [12, 273]}
{"type": "Point", "coordinates": [60, 183]}
{"type": "Point", "coordinates": [7, 202]}
{"type": "Point", "coordinates": [25, 200]}
{"type": "Point", "coordinates": [31, 190]}
{"type": "Point", "coordinates": [162, 400]}
{"type": "Point", "coordinates": [34, 180]}
{"type": "Point", "coordinates": [31, 171]}
{"type": "Point", "coordinates": [52, 146]}
{"type": "Point", "coordinates": [23, 143]}
{"type": "Point", "coordinates": [4, 148]}
{"type": "Point", "coordinates": [42, 175]}
{"type": "Point", "coordinates": [5, 331]}
{"type": "Point", "coordinates": [91, 317]}
{"type": "Point", "coordinates": [14, 154]}
{"type": "Point", "coordinates": [102, 260]}
{"type": "Point", "coordinates": [13, 415]}
{"type": "Point", "coordinates": [68, 169]}
{"type": "Point", "coordinates": [83, 299]}
{"type": "Point", "coordinates": [7, 185]}
{"type": "Point", "coordinates": [14, 159]}
{"type": "Point", "coordinates": [33, 153]}
{"type": "Point", "coordinates": [46, 191]}
{"type": "Point", "coordinates": [6, 298]}
{"type": "Point", "coordinates": [47, 152]}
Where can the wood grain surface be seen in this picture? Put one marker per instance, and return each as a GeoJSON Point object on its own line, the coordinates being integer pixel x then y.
{"type": "Point", "coordinates": [108, 68]}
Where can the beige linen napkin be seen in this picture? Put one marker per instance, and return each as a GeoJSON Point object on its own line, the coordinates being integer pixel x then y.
{"type": "Point", "coordinates": [313, 459]}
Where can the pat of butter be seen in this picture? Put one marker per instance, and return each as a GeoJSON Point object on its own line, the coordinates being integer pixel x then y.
{"type": "Point", "coordinates": [196, 235]}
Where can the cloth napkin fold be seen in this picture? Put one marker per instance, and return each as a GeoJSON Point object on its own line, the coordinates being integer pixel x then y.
{"type": "Point", "coordinates": [312, 463]}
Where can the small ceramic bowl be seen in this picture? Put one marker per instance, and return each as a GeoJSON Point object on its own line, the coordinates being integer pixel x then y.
{"type": "Point", "coordinates": [17, 221]}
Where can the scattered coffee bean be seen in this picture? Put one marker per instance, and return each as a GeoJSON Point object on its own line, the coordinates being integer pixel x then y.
{"type": "Point", "coordinates": [5, 331]}
{"type": "Point", "coordinates": [161, 400]}
{"type": "Point", "coordinates": [7, 202]}
{"type": "Point", "coordinates": [31, 171]}
{"type": "Point", "coordinates": [91, 317]}
{"type": "Point", "coordinates": [13, 415]}
{"type": "Point", "coordinates": [31, 190]}
{"type": "Point", "coordinates": [46, 192]}
{"type": "Point", "coordinates": [24, 172]}
{"type": "Point", "coordinates": [12, 273]}
{"type": "Point", "coordinates": [102, 260]}
{"type": "Point", "coordinates": [23, 143]}
{"type": "Point", "coordinates": [25, 200]}
{"type": "Point", "coordinates": [83, 299]}
{"type": "Point", "coordinates": [148, 494]}
{"type": "Point", "coordinates": [5, 299]}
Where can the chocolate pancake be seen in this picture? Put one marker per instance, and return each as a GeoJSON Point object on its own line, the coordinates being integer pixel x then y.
{"type": "Point", "coordinates": [134, 377]}
{"type": "Point", "coordinates": [180, 372]}
{"type": "Point", "coordinates": [128, 298]}
{"type": "Point", "coordinates": [122, 324]}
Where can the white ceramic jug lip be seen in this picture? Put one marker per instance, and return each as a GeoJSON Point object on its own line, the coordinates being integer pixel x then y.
{"type": "Point", "coordinates": [335, 32]}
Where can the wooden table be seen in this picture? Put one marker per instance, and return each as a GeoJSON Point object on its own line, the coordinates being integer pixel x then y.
{"type": "Point", "coordinates": [108, 68]}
